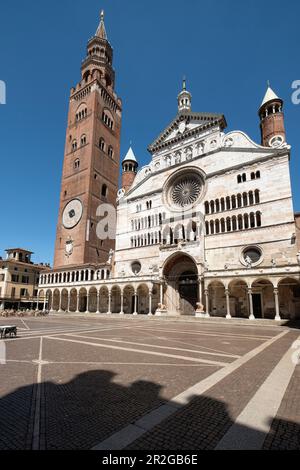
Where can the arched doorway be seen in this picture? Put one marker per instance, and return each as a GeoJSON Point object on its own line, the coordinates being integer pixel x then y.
{"type": "Point", "coordinates": [263, 299]}
{"type": "Point", "coordinates": [289, 298]}
{"type": "Point", "coordinates": [129, 299]}
{"type": "Point", "coordinates": [239, 305]}
{"type": "Point", "coordinates": [182, 294]}
{"type": "Point", "coordinates": [143, 299]}
{"type": "Point", "coordinates": [217, 299]}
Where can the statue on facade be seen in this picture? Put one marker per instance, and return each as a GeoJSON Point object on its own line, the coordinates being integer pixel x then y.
{"type": "Point", "coordinates": [248, 262]}
{"type": "Point", "coordinates": [110, 256]}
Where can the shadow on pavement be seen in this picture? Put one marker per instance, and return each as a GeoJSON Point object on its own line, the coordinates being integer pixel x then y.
{"type": "Point", "coordinates": [90, 408]}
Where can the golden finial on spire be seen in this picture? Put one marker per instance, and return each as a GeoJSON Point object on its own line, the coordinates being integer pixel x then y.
{"type": "Point", "coordinates": [184, 83]}
{"type": "Point", "coordinates": [102, 15]}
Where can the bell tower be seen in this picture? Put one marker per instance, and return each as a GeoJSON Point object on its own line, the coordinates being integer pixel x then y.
{"type": "Point", "coordinates": [129, 170]}
{"type": "Point", "coordinates": [272, 120]}
{"type": "Point", "coordinates": [92, 158]}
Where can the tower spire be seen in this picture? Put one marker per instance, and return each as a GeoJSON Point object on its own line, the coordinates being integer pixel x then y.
{"type": "Point", "coordinates": [99, 59]}
{"type": "Point", "coordinates": [101, 31]}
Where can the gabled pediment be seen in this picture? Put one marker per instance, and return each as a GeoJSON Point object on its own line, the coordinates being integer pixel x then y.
{"type": "Point", "coordinates": [185, 125]}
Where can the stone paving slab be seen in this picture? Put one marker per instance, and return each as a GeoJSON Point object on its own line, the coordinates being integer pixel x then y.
{"type": "Point", "coordinates": [203, 422]}
{"type": "Point", "coordinates": [89, 392]}
{"type": "Point", "coordinates": [16, 405]}
{"type": "Point", "coordinates": [285, 427]}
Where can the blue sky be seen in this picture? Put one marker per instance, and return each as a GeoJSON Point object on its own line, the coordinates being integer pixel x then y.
{"type": "Point", "coordinates": [226, 48]}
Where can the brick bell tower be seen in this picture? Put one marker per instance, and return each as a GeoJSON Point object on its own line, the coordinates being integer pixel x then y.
{"type": "Point", "coordinates": [272, 120]}
{"type": "Point", "coordinates": [129, 170]}
{"type": "Point", "coordinates": [92, 158]}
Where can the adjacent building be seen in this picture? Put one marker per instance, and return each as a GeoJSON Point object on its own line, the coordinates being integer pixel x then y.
{"type": "Point", "coordinates": [19, 280]}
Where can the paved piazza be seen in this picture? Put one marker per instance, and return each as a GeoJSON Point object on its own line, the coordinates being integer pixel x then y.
{"type": "Point", "coordinates": [148, 383]}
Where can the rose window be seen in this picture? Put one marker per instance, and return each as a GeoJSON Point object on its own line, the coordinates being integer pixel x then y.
{"type": "Point", "coordinates": [186, 190]}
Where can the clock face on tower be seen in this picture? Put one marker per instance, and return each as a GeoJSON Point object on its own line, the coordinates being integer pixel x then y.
{"type": "Point", "coordinates": [72, 214]}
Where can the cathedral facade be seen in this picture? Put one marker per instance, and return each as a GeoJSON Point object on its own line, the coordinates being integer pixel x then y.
{"type": "Point", "coordinates": [207, 228]}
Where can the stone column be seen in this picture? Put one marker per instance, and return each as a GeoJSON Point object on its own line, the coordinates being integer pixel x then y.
{"type": "Point", "coordinates": [122, 303]}
{"type": "Point", "coordinates": [87, 302]}
{"type": "Point", "coordinates": [135, 303]}
{"type": "Point", "coordinates": [251, 317]}
{"type": "Point", "coordinates": [150, 304]}
{"type": "Point", "coordinates": [44, 305]}
{"type": "Point", "coordinates": [277, 309]}
{"type": "Point", "coordinates": [37, 302]}
{"type": "Point", "coordinates": [60, 301]}
{"type": "Point", "coordinates": [228, 314]}
{"type": "Point", "coordinates": [109, 303]}
{"type": "Point", "coordinates": [69, 301]}
{"type": "Point", "coordinates": [207, 315]}
{"type": "Point", "coordinates": [98, 302]}
{"type": "Point", "coordinates": [200, 293]}
{"type": "Point", "coordinates": [78, 300]}
{"type": "Point", "coordinates": [161, 293]}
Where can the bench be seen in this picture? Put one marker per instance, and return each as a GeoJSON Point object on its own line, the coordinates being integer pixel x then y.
{"type": "Point", "coordinates": [8, 331]}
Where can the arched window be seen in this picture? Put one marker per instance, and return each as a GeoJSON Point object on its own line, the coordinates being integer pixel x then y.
{"type": "Point", "coordinates": [222, 225]}
{"type": "Point", "coordinates": [102, 144]}
{"type": "Point", "coordinates": [207, 228]}
{"type": "Point", "coordinates": [251, 198]}
{"type": "Point", "coordinates": [212, 207]}
{"type": "Point", "coordinates": [222, 204]}
{"type": "Point", "coordinates": [253, 176]}
{"type": "Point", "coordinates": [257, 174]}
{"type": "Point", "coordinates": [233, 202]}
{"type": "Point", "coordinates": [206, 205]}
{"type": "Point", "coordinates": [245, 200]}
{"type": "Point", "coordinates": [258, 219]}
{"type": "Point", "coordinates": [240, 222]}
{"type": "Point", "coordinates": [77, 164]}
{"type": "Point", "coordinates": [81, 112]}
{"type": "Point", "coordinates": [246, 221]}
{"type": "Point", "coordinates": [107, 118]}
{"type": "Point", "coordinates": [244, 177]}
{"type": "Point", "coordinates": [234, 223]}
{"type": "Point", "coordinates": [217, 226]}
{"type": "Point", "coordinates": [239, 200]}
{"type": "Point", "coordinates": [217, 203]}
{"type": "Point", "coordinates": [212, 227]}
{"type": "Point", "coordinates": [228, 224]}
{"type": "Point", "coordinates": [257, 198]}
{"type": "Point", "coordinates": [74, 145]}
{"type": "Point", "coordinates": [228, 203]}
{"type": "Point", "coordinates": [104, 190]}
{"type": "Point", "coordinates": [252, 220]}
{"type": "Point", "coordinates": [83, 139]}
{"type": "Point", "coordinates": [110, 151]}
{"type": "Point", "coordinates": [239, 179]}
